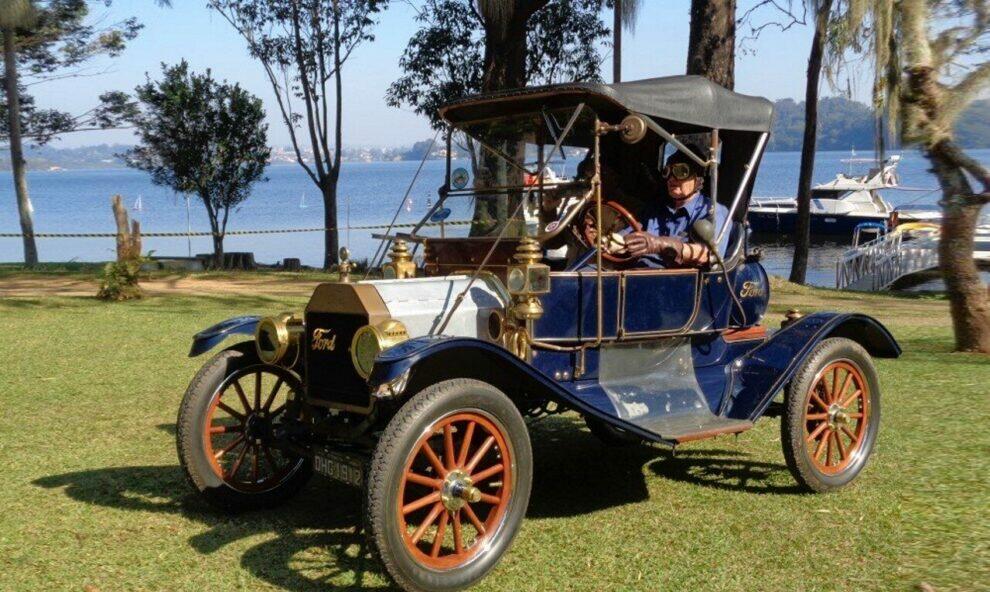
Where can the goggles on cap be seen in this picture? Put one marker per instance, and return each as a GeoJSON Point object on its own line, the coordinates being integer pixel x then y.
{"type": "Point", "coordinates": [678, 170]}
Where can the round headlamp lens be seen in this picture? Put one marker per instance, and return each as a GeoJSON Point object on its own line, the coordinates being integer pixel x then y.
{"type": "Point", "coordinates": [364, 349]}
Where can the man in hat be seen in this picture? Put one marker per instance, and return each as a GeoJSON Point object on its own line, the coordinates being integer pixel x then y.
{"type": "Point", "coordinates": [667, 239]}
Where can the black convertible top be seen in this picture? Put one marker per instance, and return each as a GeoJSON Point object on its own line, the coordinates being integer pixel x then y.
{"type": "Point", "coordinates": [693, 101]}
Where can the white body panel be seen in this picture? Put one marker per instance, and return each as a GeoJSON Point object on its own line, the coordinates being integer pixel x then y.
{"type": "Point", "coordinates": [422, 303]}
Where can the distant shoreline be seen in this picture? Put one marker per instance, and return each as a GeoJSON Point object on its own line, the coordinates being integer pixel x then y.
{"type": "Point", "coordinates": [59, 169]}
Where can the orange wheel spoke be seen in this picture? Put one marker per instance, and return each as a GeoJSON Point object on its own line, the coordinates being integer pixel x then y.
{"type": "Point", "coordinates": [430, 519]}
{"type": "Point", "coordinates": [226, 429]}
{"type": "Point", "coordinates": [458, 538]}
{"type": "Point", "coordinates": [814, 435]}
{"type": "Point", "coordinates": [838, 446]}
{"type": "Point", "coordinates": [482, 475]}
{"type": "Point", "coordinates": [466, 444]}
{"type": "Point", "coordinates": [479, 454]}
{"type": "Point", "coordinates": [857, 415]}
{"type": "Point", "coordinates": [271, 460]}
{"type": "Point", "coordinates": [845, 387]}
{"type": "Point", "coordinates": [271, 395]}
{"type": "Point", "coordinates": [423, 480]}
{"type": "Point", "coordinates": [237, 463]}
{"type": "Point", "coordinates": [490, 499]}
{"type": "Point", "coordinates": [441, 532]}
{"type": "Point", "coordinates": [816, 416]}
{"type": "Point", "coordinates": [434, 460]}
{"type": "Point", "coordinates": [833, 392]}
{"type": "Point", "coordinates": [448, 446]}
{"type": "Point", "coordinates": [821, 444]}
{"type": "Point", "coordinates": [229, 447]}
{"type": "Point", "coordinates": [257, 390]}
{"type": "Point", "coordinates": [242, 397]}
{"type": "Point", "coordinates": [421, 502]}
{"type": "Point", "coordinates": [817, 399]}
{"type": "Point", "coordinates": [474, 519]}
{"type": "Point", "coordinates": [228, 409]}
{"type": "Point", "coordinates": [851, 398]}
{"type": "Point", "coordinates": [851, 435]}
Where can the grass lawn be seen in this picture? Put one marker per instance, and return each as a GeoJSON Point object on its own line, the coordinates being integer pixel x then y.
{"type": "Point", "coordinates": [93, 498]}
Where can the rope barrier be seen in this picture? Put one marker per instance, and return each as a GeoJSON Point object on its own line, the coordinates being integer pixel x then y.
{"type": "Point", "coordinates": [228, 233]}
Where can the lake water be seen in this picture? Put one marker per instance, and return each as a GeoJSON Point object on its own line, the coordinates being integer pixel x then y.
{"type": "Point", "coordinates": [79, 201]}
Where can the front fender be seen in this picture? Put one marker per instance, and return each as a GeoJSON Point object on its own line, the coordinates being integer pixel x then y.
{"type": "Point", "coordinates": [429, 360]}
{"type": "Point", "coordinates": [761, 373]}
{"type": "Point", "coordinates": [207, 339]}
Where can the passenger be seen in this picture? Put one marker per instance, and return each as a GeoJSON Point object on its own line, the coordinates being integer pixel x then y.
{"type": "Point", "coordinates": [667, 239]}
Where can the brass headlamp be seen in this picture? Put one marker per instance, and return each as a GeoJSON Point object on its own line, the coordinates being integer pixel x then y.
{"type": "Point", "coordinates": [371, 340]}
{"type": "Point", "coordinates": [528, 280]}
{"type": "Point", "coordinates": [277, 337]}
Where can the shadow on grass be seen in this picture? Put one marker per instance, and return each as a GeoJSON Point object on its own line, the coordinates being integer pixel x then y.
{"type": "Point", "coordinates": [305, 523]}
{"type": "Point", "coordinates": [574, 474]}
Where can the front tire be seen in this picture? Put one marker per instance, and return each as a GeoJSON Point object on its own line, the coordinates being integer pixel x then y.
{"type": "Point", "coordinates": [831, 415]}
{"type": "Point", "coordinates": [225, 432]}
{"type": "Point", "coordinates": [448, 485]}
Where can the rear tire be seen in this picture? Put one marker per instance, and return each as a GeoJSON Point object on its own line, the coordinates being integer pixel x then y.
{"type": "Point", "coordinates": [448, 486]}
{"type": "Point", "coordinates": [831, 415]}
{"type": "Point", "coordinates": [251, 474]}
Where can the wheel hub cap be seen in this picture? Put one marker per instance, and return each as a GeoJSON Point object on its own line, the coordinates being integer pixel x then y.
{"type": "Point", "coordinates": [458, 489]}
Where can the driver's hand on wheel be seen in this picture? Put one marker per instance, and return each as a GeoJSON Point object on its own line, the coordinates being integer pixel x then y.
{"type": "Point", "coordinates": [643, 243]}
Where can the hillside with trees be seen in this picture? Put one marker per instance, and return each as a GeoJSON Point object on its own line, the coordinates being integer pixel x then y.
{"type": "Point", "coordinates": [845, 124]}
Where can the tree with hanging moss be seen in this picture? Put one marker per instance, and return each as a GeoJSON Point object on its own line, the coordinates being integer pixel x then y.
{"type": "Point", "coordinates": [930, 64]}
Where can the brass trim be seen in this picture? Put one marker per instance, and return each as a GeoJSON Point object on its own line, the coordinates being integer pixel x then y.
{"type": "Point", "coordinates": [387, 334]}
{"type": "Point", "coordinates": [356, 298]}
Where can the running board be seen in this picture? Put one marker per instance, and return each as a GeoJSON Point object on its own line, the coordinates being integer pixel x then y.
{"type": "Point", "coordinates": [687, 427]}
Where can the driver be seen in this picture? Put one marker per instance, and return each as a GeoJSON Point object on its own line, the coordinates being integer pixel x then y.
{"type": "Point", "coordinates": [667, 240]}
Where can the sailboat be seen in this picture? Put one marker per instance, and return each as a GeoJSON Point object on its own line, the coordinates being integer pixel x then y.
{"type": "Point", "coordinates": [138, 204]}
{"type": "Point", "coordinates": [302, 202]}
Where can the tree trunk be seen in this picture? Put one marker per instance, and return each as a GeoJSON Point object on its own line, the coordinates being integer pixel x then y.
{"type": "Point", "coordinates": [617, 42]}
{"type": "Point", "coordinates": [17, 163]}
{"type": "Point", "coordinates": [802, 229]}
{"type": "Point", "coordinates": [968, 301]}
{"type": "Point", "coordinates": [712, 42]}
{"type": "Point", "coordinates": [505, 67]}
{"type": "Point", "coordinates": [331, 239]}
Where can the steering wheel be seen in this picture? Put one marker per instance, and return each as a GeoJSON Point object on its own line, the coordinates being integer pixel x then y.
{"type": "Point", "coordinates": [615, 218]}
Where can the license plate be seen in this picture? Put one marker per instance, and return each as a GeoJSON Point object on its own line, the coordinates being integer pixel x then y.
{"type": "Point", "coordinates": [339, 467]}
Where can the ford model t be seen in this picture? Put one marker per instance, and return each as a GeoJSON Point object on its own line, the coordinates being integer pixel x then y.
{"type": "Point", "coordinates": [415, 386]}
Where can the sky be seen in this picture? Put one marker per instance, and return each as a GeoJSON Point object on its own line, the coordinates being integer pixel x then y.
{"type": "Point", "coordinates": [773, 66]}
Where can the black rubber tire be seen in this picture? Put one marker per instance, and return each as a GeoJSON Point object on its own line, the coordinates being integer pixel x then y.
{"type": "Point", "coordinates": [189, 441]}
{"type": "Point", "coordinates": [385, 472]}
{"type": "Point", "coordinates": [610, 435]}
{"type": "Point", "coordinates": [792, 423]}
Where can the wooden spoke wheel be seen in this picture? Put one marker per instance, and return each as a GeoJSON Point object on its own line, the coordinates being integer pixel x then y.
{"type": "Point", "coordinates": [831, 415]}
{"type": "Point", "coordinates": [448, 485]}
{"type": "Point", "coordinates": [836, 415]}
{"type": "Point", "coordinates": [229, 432]}
{"type": "Point", "coordinates": [455, 489]}
{"type": "Point", "coordinates": [615, 219]}
{"type": "Point", "coordinates": [238, 434]}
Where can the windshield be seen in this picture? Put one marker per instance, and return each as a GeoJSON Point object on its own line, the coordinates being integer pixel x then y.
{"type": "Point", "coordinates": [502, 173]}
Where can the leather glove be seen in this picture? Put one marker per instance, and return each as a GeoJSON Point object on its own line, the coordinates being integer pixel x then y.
{"type": "Point", "coordinates": [643, 243]}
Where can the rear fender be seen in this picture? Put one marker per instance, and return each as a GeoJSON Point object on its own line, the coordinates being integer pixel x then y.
{"type": "Point", "coordinates": [759, 375]}
{"type": "Point", "coordinates": [429, 360]}
{"type": "Point", "coordinates": [207, 339]}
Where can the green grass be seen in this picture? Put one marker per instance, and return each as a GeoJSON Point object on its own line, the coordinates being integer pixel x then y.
{"type": "Point", "coordinates": [93, 496]}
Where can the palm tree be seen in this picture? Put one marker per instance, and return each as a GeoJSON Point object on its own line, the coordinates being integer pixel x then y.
{"type": "Point", "coordinates": [624, 15]}
{"type": "Point", "coordinates": [15, 14]}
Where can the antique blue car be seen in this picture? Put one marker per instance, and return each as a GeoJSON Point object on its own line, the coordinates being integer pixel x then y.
{"type": "Point", "coordinates": [416, 387]}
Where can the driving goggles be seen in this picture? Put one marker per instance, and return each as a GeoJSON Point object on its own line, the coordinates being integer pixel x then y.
{"type": "Point", "coordinates": [679, 170]}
